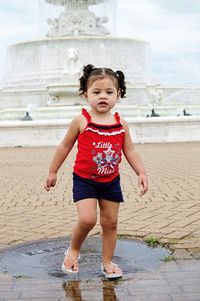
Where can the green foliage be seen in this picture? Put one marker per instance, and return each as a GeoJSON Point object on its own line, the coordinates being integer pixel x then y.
{"type": "Point", "coordinates": [168, 258]}
{"type": "Point", "coordinates": [152, 241]}
{"type": "Point", "coordinates": [21, 277]}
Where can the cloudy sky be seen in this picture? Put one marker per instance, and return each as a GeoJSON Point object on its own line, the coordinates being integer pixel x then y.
{"type": "Point", "coordinates": [172, 28]}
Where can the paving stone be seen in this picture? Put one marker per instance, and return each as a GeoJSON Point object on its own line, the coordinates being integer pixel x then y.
{"type": "Point", "coordinates": [182, 254]}
{"type": "Point", "coordinates": [163, 163]}
{"type": "Point", "coordinates": [186, 297]}
{"type": "Point", "coordinates": [170, 211]}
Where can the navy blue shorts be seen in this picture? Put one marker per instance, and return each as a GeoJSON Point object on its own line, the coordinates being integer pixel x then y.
{"type": "Point", "coordinates": [86, 188]}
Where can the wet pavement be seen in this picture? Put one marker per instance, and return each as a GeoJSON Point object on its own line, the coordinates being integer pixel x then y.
{"type": "Point", "coordinates": [34, 226]}
{"type": "Point", "coordinates": [174, 281]}
{"type": "Point", "coordinates": [42, 259]}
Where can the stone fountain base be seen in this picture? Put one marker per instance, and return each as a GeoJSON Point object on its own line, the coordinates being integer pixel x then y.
{"type": "Point", "coordinates": [62, 94]}
{"type": "Point", "coordinates": [37, 67]}
{"type": "Point", "coordinates": [143, 130]}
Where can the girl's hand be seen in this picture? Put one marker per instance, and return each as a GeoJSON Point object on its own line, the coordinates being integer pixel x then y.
{"type": "Point", "coordinates": [50, 181]}
{"type": "Point", "coordinates": [142, 184]}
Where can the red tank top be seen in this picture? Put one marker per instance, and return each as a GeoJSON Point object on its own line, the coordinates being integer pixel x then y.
{"type": "Point", "coordinates": [99, 150]}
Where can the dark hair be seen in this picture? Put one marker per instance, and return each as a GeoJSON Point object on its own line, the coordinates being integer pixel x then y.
{"type": "Point", "coordinates": [91, 71]}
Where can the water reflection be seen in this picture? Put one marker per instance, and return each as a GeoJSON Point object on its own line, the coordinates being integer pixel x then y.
{"type": "Point", "coordinates": [108, 291]}
{"type": "Point", "coordinates": [73, 291]}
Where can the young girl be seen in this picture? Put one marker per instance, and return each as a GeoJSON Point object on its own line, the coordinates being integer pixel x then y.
{"type": "Point", "coordinates": [102, 137]}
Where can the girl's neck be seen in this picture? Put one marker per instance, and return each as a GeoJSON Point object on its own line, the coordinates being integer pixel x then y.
{"type": "Point", "coordinates": [102, 118]}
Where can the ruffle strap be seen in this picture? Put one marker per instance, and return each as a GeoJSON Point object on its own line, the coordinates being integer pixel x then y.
{"type": "Point", "coordinates": [117, 117]}
{"type": "Point", "coordinates": [86, 114]}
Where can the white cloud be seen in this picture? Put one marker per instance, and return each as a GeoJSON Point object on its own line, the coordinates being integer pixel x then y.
{"type": "Point", "coordinates": [19, 21]}
{"type": "Point", "coordinates": [177, 69]}
{"type": "Point", "coordinates": [173, 31]}
{"type": "Point", "coordinates": [171, 27]}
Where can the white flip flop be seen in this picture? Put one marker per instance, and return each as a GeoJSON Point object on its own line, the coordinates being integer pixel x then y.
{"type": "Point", "coordinates": [109, 275]}
{"type": "Point", "coordinates": [66, 270]}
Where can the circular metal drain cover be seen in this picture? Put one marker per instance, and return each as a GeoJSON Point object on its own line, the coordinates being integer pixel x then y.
{"type": "Point", "coordinates": [43, 259]}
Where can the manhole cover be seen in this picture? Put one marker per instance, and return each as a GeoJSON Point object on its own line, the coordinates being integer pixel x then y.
{"type": "Point", "coordinates": [42, 259]}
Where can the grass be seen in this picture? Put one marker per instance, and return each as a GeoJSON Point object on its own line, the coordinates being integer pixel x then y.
{"type": "Point", "coordinates": [121, 236]}
{"type": "Point", "coordinates": [168, 258]}
{"type": "Point", "coordinates": [21, 277]}
{"type": "Point", "coordinates": [152, 241]}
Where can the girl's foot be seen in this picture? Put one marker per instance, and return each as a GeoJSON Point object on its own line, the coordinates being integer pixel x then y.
{"type": "Point", "coordinates": [70, 264]}
{"type": "Point", "coordinates": [111, 270]}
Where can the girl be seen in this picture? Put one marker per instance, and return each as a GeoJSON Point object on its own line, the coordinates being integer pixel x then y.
{"type": "Point", "coordinates": [101, 137]}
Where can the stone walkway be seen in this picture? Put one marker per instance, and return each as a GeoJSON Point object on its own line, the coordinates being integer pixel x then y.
{"type": "Point", "coordinates": [175, 281]}
{"type": "Point", "coordinates": [169, 212]}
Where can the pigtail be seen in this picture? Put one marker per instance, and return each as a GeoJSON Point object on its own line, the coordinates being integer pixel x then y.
{"type": "Point", "coordinates": [84, 78]}
{"type": "Point", "coordinates": [122, 83]}
{"type": "Point", "coordinates": [90, 70]}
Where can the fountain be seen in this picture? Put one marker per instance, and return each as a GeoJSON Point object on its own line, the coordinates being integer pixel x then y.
{"type": "Point", "coordinates": [76, 19]}
{"type": "Point", "coordinates": [39, 93]}
{"type": "Point", "coordinates": [45, 72]}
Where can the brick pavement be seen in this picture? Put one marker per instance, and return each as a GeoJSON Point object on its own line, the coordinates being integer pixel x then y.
{"type": "Point", "coordinates": [175, 281]}
{"type": "Point", "coordinates": [170, 211]}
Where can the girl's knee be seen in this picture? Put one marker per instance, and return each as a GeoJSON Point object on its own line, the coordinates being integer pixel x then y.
{"type": "Point", "coordinates": [88, 222]}
{"type": "Point", "coordinates": [108, 223]}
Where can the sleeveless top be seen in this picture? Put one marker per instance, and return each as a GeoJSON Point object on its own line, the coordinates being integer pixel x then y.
{"type": "Point", "coordinates": [99, 150]}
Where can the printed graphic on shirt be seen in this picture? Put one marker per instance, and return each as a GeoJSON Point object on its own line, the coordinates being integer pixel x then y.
{"type": "Point", "coordinates": [107, 159]}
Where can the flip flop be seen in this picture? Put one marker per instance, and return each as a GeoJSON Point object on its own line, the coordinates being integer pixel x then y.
{"type": "Point", "coordinates": [67, 270]}
{"type": "Point", "coordinates": [109, 275]}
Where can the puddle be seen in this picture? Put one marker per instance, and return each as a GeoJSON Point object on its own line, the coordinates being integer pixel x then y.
{"type": "Point", "coordinates": [106, 291]}
{"type": "Point", "coordinates": [42, 259]}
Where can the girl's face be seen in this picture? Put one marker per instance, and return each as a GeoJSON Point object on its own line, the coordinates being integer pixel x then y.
{"type": "Point", "coordinates": [102, 94]}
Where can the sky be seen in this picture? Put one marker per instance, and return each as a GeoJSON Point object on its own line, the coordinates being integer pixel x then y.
{"type": "Point", "coordinates": [171, 27]}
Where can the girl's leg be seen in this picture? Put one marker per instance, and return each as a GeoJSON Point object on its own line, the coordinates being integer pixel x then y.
{"type": "Point", "coordinates": [87, 217]}
{"type": "Point", "coordinates": [108, 219]}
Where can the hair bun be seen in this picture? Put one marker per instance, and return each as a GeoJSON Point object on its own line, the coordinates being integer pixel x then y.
{"type": "Point", "coordinates": [87, 69]}
{"type": "Point", "coordinates": [122, 84]}
{"type": "Point", "coordinates": [120, 74]}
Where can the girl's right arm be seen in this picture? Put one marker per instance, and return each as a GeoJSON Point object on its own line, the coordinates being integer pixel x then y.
{"type": "Point", "coordinates": [134, 160]}
{"type": "Point", "coordinates": [62, 152]}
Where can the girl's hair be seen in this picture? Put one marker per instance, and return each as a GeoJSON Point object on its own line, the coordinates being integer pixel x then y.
{"type": "Point", "coordinates": [90, 74]}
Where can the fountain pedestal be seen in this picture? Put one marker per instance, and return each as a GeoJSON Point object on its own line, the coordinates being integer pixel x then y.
{"type": "Point", "coordinates": [63, 94]}
{"type": "Point", "coordinates": [76, 19]}
{"type": "Point", "coordinates": [33, 66]}
{"type": "Point", "coordinates": [45, 72]}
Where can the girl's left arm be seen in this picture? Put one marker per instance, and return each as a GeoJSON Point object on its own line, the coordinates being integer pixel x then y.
{"type": "Point", "coordinates": [134, 160]}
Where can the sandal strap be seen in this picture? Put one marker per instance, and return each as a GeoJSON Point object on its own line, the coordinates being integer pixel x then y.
{"type": "Point", "coordinates": [111, 275]}
{"type": "Point", "coordinates": [73, 261]}
{"type": "Point", "coordinates": [112, 265]}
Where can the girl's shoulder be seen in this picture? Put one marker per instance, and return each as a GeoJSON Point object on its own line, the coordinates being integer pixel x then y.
{"type": "Point", "coordinates": [123, 122]}
{"type": "Point", "coordinates": [81, 121]}
{"type": "Point", "coordinates": [125, 125]}
{"type": "Point", "coordinates": [78, 123]}
{"type": "Point", "coordinates": [77, 119]}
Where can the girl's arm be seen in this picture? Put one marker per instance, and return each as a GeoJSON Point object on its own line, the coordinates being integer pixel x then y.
{"type": "Point", "coordinates": [134, 159]}
{"type": "Point", "coordinates": [62, 152]}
